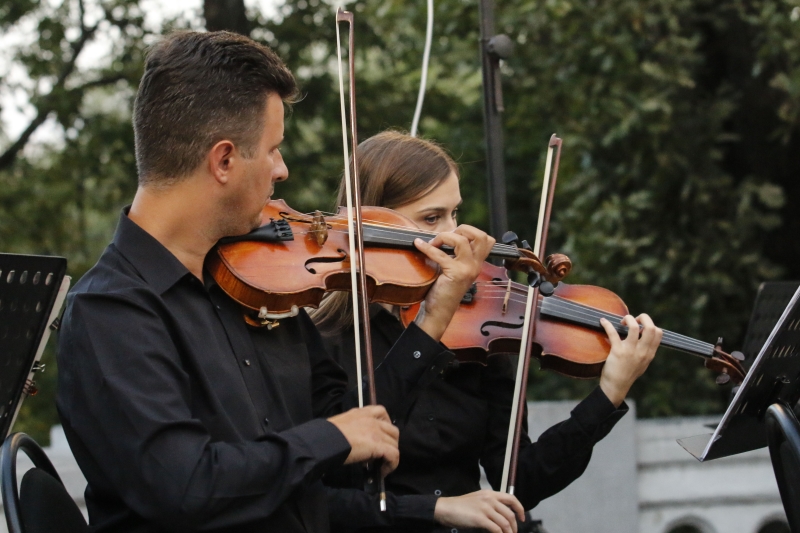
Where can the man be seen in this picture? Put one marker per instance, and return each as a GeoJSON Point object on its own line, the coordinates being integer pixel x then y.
{"type": "Point", "coordinates": [180, 416]}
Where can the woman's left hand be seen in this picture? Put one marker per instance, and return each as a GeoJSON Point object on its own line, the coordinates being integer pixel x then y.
{"type": "Point", "coordinates": [471, 247]}
{"type": "Point", "coordinates": [629, 358]}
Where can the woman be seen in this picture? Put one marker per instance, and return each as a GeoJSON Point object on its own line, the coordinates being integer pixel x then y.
{"type": "Point", "coordinates": [458, 419]}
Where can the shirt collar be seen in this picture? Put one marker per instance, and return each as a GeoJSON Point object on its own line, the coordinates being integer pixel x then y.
{"type": "Point", "coordinates": [157, 265]}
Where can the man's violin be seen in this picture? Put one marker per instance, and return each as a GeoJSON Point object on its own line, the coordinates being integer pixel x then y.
{"type": "Point", "coordinates": [568, 331]}
{"type": "Point", "coordinates": [308, 256]}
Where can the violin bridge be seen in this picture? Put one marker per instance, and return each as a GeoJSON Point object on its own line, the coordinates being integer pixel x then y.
{"type": "Point", "coordinates": [318, 229]}
{"type": "Point", "coordinates": [507, 296]}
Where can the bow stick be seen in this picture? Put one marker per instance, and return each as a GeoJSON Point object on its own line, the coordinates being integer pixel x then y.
{"type": "Point", "coordinates": [358, 280]}
{"type": "Point", "coordinates": [529, 324]}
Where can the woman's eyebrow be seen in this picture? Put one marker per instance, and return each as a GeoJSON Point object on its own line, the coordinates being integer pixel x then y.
{"type": "Point", "coordinates": [433, 210]}
{"type": "Point", "coordinates": [438, 209]}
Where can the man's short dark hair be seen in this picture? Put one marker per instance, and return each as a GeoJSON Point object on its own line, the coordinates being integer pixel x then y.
{"type": "Point", "coordinates": [199, 89]}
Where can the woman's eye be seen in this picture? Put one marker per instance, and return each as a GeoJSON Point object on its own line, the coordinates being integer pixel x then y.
{"type": "Point", "coordinates": [433, 219]}
{"type": "Point", "coordinates": [455, 214]}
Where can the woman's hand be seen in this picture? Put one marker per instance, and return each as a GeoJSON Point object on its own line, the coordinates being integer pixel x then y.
{"type": "Point", "coordinates": [471, 247]}
{"type": "Point", "coordinates": [629, 358]}
{"type": "Point", "coordinates": [486, 509]}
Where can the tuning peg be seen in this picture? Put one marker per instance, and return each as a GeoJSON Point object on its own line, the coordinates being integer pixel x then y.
{"type": "Point", "coordinates": [739, 356]}
{"type": "Point", "coordinates": [546, 288]}
{"type": "Point", "coordinates": [526, 246]}
{"type": "Point", "coordinates": [722, 379]}
{"type": "Point", "coordinates": [509, 237]}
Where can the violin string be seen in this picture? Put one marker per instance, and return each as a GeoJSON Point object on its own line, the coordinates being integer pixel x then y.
{"type": "Point", "coordinates": [380, 226]}
{"type": "Point", "coordinates": [669, 338]}
{"type": "Point", "coordinates": [668, 335]}
{"type": "Point", "coordinates": [575, 310]}
{"type": "Point", "coordinates": [562, 308]}
{"type": "Point", "coordinates": [409, 236]}
{"type": "Point", "coordinates": [381, 230]}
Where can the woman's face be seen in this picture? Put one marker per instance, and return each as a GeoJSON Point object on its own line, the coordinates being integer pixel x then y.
{"type": "Point", "coordinates": [437, 210]}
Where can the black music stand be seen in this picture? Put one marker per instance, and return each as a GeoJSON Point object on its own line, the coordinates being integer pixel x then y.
{"type": "Point", "coordinates": [771, 300]}
{"type": "Point", "coordinates": [761, 414]}
{"type": "Point", "coordinates": [32, 290]}
{"type": "Point", "coordinates": [774, 376]}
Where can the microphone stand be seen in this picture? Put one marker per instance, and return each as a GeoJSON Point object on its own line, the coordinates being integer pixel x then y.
{"type": "Point", "coordinates": [493, 49]}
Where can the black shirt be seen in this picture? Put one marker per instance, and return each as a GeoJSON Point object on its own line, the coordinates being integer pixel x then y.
{"type": "Point", "coordinates": [182, 418]}
{"type": "Point", "coordinates": [448, 425]}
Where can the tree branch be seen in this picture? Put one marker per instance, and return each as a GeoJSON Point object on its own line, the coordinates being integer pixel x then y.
{"type": "Point", "coordinates": [45, 107]}
{"type": "Point", "coordinates": [9, 156]}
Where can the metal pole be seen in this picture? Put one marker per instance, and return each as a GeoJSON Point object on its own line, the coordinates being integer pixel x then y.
{"type": "Point", "coordinates": [493, 48]}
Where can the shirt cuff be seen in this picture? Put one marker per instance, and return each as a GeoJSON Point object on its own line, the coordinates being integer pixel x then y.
{"type": "Point", "coordinates": [597, 415]}
{"type": "Point", "coordinates": [321, 441]}
{"type": "Point", "coordinates": [417, 356]}
{"type": "Point", "coordinates": [416, 507]}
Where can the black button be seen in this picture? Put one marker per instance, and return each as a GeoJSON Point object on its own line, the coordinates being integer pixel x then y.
{"type": "Point", "coordinates": [266, 421]}
{"type": "Point", "coordinates": [437, 492]}
{"type": "Point", "coordinates": [246, 362]}
{"type": "Point", "coordinates": [430, 417]}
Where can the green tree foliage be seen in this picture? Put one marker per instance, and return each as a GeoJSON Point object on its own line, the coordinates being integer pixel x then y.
{"type": "Point", "coordinates": [61, 195]}
{"type": "Point", "coordinates": [669, 195]}
{"type": "Point", "coordinates": [679, 120]}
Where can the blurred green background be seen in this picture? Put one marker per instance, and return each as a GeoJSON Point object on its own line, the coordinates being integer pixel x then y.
{"type": "Point", "coordinates": [680, 172]}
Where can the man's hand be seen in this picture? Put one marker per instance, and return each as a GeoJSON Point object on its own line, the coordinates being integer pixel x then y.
{"type": "Point", "coordinates": [485, 509]}
{"type": "Point", "coordinates": [471, 247]}
{"type": "Point", "coordinates": [371, 435]}
{"type": "Point", "coordinates": [629, 358]}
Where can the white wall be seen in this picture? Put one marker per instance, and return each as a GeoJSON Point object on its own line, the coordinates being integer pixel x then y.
{"type": "Point", "coordinates": [638, 481]}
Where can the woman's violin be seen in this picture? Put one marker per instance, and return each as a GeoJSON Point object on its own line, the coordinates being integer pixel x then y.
{"type": "Point", "coordinates": [308, 256]}
{"type": "Point", "coordinates": [568, 330]}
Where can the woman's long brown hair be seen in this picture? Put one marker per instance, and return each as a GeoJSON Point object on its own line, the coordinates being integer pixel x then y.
{"type": "Point", "coordinates": [394, 170]}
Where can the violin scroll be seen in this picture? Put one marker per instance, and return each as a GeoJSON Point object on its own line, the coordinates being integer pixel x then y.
{"type": "Point", "coordinates": [554, 268]}
{"type": "Point", "coordinates": [558, 266]}
{"type": "Point", "coordinates": [728, 365]}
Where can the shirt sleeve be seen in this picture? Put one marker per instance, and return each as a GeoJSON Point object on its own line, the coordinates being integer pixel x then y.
{"type": "Point", "coordinates": [559, 456]}
{"type": "Point", "coordinates": [354, 509]}
{"type": "Point", "coordinates": [328, 378]}
{"type": "Point", "coordinates": [126, 395]}
{"type": "Point", "coordinates": [414, 359]}
{"type": "Point", "coordinates": [413, 362]}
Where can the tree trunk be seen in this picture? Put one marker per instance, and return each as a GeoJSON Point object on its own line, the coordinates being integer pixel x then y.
{"type": "Point", "coordinates": [227, 15]}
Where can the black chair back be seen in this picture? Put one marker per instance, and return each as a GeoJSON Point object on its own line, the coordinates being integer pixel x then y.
{"type": "Point", "coordinates": [783, 431]}
{"type": "Point", "coordinates": [42, 504]}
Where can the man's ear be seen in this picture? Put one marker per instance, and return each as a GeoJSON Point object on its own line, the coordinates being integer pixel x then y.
{"type": "Point", "coordinates": [221, 160]}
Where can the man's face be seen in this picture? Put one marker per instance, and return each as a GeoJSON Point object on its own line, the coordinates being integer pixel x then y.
{"type": "Point", "coordinates": [259, 173]}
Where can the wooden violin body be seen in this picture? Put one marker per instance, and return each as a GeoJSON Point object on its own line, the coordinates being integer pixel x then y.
{"type": "Point", "coordinates": [277, 272]}
{"type": "Point", "coordinates": [276, 278]}
{"type": "Point", "coordinates": [567, 331]}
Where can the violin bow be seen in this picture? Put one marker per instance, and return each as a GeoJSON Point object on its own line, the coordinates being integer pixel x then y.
{"type": "Point", "coordinates": [358, 280]}
{"type": "Point", "coordinates": [529, 325]}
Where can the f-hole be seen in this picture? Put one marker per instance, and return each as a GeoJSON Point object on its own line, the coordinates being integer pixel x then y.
{"type": "Point", "coordinates": [339, 259]}
{"type": "Point", "coordinates": [498, 324]}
